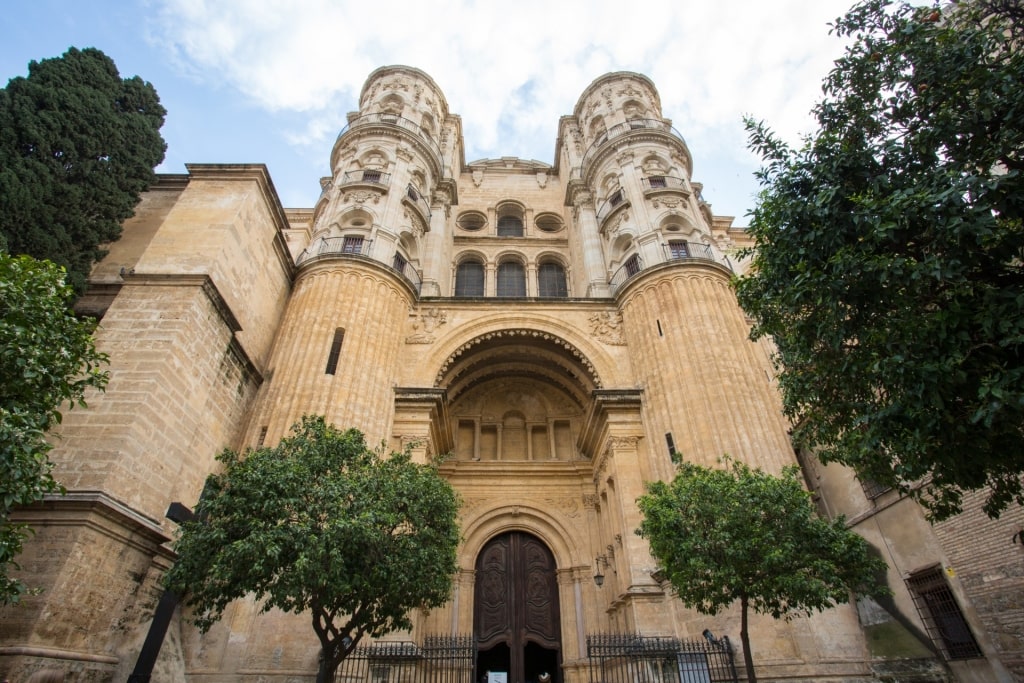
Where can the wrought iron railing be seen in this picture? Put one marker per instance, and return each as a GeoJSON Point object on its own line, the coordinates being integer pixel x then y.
{"type": "Point", "coordinates": [418, 200]}
{"type": "Point", "coordinates": [367, 176]}
{"type": "Point", "coordinates": [623, 128]}
{"type": "Point", "coordinates": [630, 658]}
{"type": "Point", "coordinates": [663, 182]}
{"type": "Point", "coordinates": [440, 659]}
{"type": "Point", "coordinates": [345, 247]}
{"type": "Point", "coordinates": [400, 122]}
{"type": "Point", "coordinates": [675, 250]}
{"type": "Point", "coordinates": [615, 201]}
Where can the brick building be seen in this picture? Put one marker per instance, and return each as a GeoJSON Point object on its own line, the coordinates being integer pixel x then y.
{"type": "Point", "coordinates": [558, 328]}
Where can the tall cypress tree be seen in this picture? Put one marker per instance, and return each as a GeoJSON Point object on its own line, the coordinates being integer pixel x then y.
{"type": "Point", "coordinates": [78, 144]}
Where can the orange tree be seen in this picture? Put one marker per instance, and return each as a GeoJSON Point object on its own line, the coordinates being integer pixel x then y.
{"type": "Point", "coordinates": [321, 525]}
{"type": "Point", "coordinates": [740, 534]}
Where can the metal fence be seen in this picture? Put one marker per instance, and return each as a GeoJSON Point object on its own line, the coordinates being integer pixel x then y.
{"type": "Point", "coordinates": [440, 659]}
{"type": "Point", "coordinates": [625, 658]}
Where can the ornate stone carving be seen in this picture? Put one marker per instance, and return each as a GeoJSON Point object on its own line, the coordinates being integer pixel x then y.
{"type": "Point", "coordinates": [403, 153]}
{"type": "Point", "coordinates": [396, 83]}
{"type": "Point", "coordinates": [360, 197]}
{"type": "Point", "coordinates": [606, 326]}
{"type": "Point", "coordinates": [625, 158]}
{"type": "Point", "coordinates": [478, 177]}
{"type": "Point", "coordinates": [542, 179]}
{"type": "Point", "coordinates": [424, 324]}
{"type": "Point", "coordinates": [629, 442]}
{"type": "Point", "coordinates": [670, 202]}
{"type": "Point", "coordinates": [591, 501]}
{"type": "Point", "coordinates": [583, 200]}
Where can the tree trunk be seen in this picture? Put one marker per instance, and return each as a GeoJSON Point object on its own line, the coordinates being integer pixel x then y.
{"type": "Point", "coordinates": [748, 659]}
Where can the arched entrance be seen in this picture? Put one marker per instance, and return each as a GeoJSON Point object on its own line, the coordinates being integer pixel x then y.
{"type": "Point", "coordinates": [515, 610]}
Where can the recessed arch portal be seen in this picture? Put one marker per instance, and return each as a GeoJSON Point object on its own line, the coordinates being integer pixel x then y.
{"type": "Point", "coordinates": [517, 395]}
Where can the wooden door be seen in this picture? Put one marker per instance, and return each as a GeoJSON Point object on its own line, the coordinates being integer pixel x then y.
{"type": "Point", "coordinates": [516, 611]}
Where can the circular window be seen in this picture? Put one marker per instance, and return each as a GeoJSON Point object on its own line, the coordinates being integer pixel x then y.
{"type": "Point", "coordinates": [471, 220]}
{"type": "Point", "coordinates": [548, 222]}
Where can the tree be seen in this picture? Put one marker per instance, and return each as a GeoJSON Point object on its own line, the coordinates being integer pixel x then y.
{"type": "Point", "coordinates": [47, 360]}
{"type": "Point", "coordinates": [722, 535]}
{"type": "Point", "coordinates": [320, 523]}
{"type": "Point", "coordinates": [887, 261]}
{"type": "Point", "coordinates": [78, 144]}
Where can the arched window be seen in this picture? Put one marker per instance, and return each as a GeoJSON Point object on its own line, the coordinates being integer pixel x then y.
{"type": "Point", "coordinates": [511, 279]}
{"type": "Point", "coordinates": [510, 226]}
{"type": "Point", "coordinates": [551, 280]}
{"type": "Point", "coordinates": [469, 278]}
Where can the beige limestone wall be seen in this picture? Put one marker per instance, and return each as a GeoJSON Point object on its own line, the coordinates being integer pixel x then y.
{"type": "Point", "coordinates": [703, 380]}
{"type": "Point", "coordinates": [370, 303]}
{"type": "Point", "coordinates": [177, 394]}
{"type": "Point", "coordinates": [228, 224]}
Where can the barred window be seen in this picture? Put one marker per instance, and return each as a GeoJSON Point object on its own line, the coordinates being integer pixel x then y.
{"type": "Point", "coordinates": [551, 280]}
{"type": "Point", "coordinates": [872, 489]}
{"type": "Point", "coordinates": [352, 245]}
{"type": "Point", "coordinates": [633, 265]}
{"type": "Point", "coordinates": [399, 262]}
{"type": "Point", "coordinates": [678, 249]}
{"type": "Point", "coordinates": [657, 181]}
{"type": "Point", "coordinates": [469, 279]}
{"type": "Point", "coordinates": [511, 279]}
{"type": "Point", "coordinates": [941, 615]}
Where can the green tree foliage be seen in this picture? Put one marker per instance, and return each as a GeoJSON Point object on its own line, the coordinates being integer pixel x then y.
{"type": "Point", "coordinates": [722, 535]}
{"type": "Point", "coordinates": [78, 144]}
{"type": "Point", "coordinates": [887, 265]}
{"type": "Point", "coordinates": [47, 360]}
{"type": "Point", "coordinates": [321, 524]}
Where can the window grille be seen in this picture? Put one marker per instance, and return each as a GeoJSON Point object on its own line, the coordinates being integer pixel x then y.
{"type": "Point", "coordinates": [941, 615]}
{"type": "Point", "coordinates": [678, 249]}
{"type": "Point", "coordinates": [616, 198]}
{"type": "Point", "coordinates": [399, 263]}
{"type": "Point", "coordinates": [511, 279]}
{"type": "Point", "coordinates": [332, 357]}
{"type": "Point", "coordinates": [671, 443]}
{"type": "Point", "coordinates": [551, 280]}
{"type": "Point", "coordinates": [469, 279]}
{"type": "Point", "coordinates": [262, 438]}
{"type": "Point", "coordinates": [657, 181]}
{"type": "Point", "coordinates": [632, 265]}
{"type": "Point", "coordinates": [872, 489]}
{"type": "Point", "coordinates": [352, 245]}
{"type": "Point", "coordinates": [371, 176]}
{"type": "Point", "coordinates": [510, 226]}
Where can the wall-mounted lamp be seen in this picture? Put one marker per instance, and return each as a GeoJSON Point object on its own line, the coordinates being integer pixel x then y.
{"type": "Point", "coordinates": [600, 562]}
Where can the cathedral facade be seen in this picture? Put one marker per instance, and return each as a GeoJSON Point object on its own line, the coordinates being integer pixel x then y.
{"type": "Point", "coordinates": [558, 329]}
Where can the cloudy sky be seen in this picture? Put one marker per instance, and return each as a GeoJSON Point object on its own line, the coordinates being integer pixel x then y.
{"type": "Point", "coordinates": [270, 81]}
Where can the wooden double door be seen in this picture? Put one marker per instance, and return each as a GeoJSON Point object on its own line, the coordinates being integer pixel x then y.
{"type": "Point", "coordinates": [516, 611]}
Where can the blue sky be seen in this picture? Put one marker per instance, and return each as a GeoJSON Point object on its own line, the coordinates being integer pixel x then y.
{"type": "Point", "coordinates": [270, 81]}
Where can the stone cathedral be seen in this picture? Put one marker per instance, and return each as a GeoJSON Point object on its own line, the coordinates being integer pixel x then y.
{"type": "Point", "coordinates": [559, 329]}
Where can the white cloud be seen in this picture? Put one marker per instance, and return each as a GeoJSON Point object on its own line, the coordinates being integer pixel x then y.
{"type": "Point", "coordinates": [510, 71]}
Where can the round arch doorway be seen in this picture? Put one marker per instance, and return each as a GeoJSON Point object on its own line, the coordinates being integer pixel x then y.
{"type": "Point", "coordinates": [516, 612]}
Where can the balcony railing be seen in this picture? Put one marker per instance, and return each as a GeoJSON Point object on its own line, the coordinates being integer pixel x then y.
{"type": "Point", "coordinates": [674, 251]}
{"type": "Point", "coordinates": [400, 122]}
{"type": "Point", "coordinates": [623, 128]}
{"type": "Point", "coordinates": [417, 199]}
{"type": "Point", "coordinates": [366, 176]}
{"type": "Point", "coordinates": [609, 205]}
{"type": "Point", "coordinates": [663, 182]}
{"type": "Point", "coordinates": [347, 247]}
